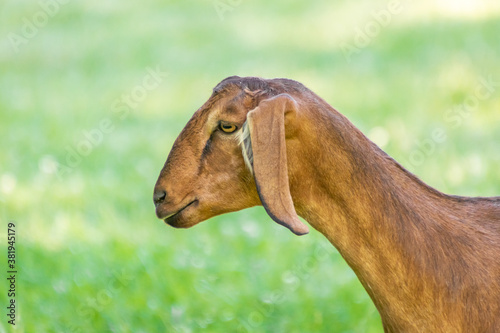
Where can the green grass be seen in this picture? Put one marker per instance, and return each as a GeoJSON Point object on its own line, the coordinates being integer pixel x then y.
{"type": "Point", "coordinates": [90, 254]}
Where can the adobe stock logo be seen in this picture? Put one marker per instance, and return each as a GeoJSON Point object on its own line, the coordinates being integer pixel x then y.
{"type": "Point", "coordinates": [370, 30]}
{"type": "Point", "coordinates": [224, 6]}
{"type": "Point", "coordinates": [453, 118]}
{"type": "Point", "coordinates": [31, 26]}
{"type": "Point", "coordinates": [93, 305]}
{"type": "Point", "coordinates": [121, 109]}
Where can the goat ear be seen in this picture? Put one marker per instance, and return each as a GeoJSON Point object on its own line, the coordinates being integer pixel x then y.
{"type": "Point", "coordinates": [266, 124]}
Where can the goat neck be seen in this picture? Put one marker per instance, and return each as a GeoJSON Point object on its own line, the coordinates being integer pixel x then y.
{"type": "Point", "coordinates": [409, 244]}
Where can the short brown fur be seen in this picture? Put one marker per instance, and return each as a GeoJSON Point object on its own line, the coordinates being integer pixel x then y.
{"type": "Point", "coordinates": [429, 261]}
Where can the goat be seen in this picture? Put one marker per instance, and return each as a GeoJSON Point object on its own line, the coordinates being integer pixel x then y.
{"type": "Point", "coordinates": [429, 261]}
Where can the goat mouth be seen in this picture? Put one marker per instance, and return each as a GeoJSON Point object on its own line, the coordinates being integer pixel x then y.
{"type": "Point", "coordinates": [174, 218]}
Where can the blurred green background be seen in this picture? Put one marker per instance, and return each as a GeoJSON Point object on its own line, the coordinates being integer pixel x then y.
{"type": "Point", "coordinates": [85, 128]}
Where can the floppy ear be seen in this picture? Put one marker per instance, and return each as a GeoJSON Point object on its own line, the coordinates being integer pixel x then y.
{"type": "Point", "coordinates": [267, 156]}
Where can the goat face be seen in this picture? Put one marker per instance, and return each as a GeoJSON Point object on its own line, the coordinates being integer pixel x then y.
{"type": "Point", "coordinates": [205, 173]}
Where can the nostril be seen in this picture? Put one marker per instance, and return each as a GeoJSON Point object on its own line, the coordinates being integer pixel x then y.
{"type": "Point", "coordinates": [159, 196]}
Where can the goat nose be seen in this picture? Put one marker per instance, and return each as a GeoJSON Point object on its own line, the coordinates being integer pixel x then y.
{"type": "Point", "coordinates": [159, 196]}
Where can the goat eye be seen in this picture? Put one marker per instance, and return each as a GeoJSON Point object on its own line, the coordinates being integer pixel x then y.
{"type": "Point", "coordinates": [227, 128]}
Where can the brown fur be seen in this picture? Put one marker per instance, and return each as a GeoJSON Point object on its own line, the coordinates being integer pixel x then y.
{"type": "Point", "coordinates": [429, 261]}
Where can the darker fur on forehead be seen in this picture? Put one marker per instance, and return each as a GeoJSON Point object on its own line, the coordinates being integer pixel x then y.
{"type": "Point", "coordinates": [255, 87]}
{"type": "Point", "coordinates": [244, 83]}
{"type": "Point", "coordinates": [270, 87]}
{"type": "Point", "coordinates": [258, 88]}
